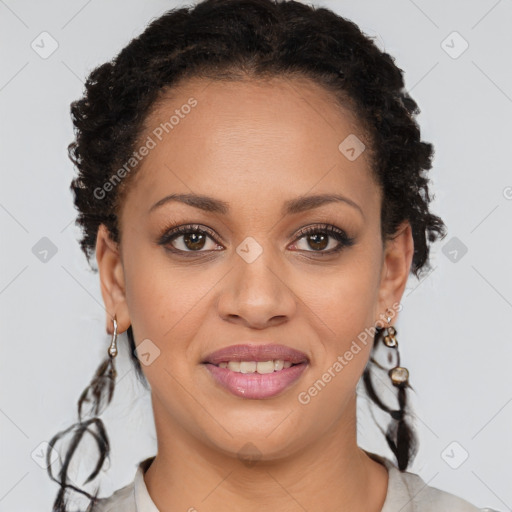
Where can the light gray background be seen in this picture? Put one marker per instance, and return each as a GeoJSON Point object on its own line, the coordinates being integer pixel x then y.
{"type": "Point", "coordinates": [454, 330]}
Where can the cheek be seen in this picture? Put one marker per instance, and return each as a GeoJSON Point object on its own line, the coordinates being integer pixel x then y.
{"type": "Point", "coordinates": [342, 305]}
{"type": "Point", "coordinates": [162, 303]}
{"type": "Point", "coordinates": [166, 304]}
{"type": "Point", "coordinates": [344, 300]}
{"type": "Point", "coordinates": [343, 321]}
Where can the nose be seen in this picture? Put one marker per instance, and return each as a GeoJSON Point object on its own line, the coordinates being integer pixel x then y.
{"type": "Point", "coordinates": [256, 294]}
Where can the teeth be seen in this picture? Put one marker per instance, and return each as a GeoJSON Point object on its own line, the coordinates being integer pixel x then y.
{"type": "Point", "coordinates": [256, 366]}
{"type": "Point", "coordinates": [248, 366]}
{"type": "Point", "coordinates": [279, 364]}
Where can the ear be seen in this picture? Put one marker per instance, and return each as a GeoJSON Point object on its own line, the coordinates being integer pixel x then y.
{"type": "Point", "coordinates": [112, 281]}
{"type": "Point", "coordinates": [396, 266]}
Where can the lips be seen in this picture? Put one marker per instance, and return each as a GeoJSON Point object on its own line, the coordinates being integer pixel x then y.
{"type": "Point", "coordinates": [256, 352]}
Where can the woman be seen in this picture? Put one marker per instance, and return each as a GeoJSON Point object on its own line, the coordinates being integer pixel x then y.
{"type": "Point", "coordinates": [252, 185]}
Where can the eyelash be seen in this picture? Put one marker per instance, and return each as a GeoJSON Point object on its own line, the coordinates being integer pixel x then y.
{"type": "Point", "coordinates": [172, 232]}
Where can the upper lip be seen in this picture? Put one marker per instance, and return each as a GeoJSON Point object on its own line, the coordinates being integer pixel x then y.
{"type": "Point", "coordinates": [256, 352]}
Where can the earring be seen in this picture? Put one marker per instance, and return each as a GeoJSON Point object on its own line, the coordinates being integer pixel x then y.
{"type": "Point", "coordinates": [112, 350]}
{"type": "Point", "coordinates": [399, 375]}
{"type": "Point", "coordinates": [99, 393]}
{"type": "Point", "coordinates": [400, 437]}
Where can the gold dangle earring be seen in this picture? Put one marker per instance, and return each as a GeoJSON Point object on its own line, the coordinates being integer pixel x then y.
{"type": "Point", "coordinates": [399, 375]}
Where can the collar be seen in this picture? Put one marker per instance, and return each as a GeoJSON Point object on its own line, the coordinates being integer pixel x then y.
{"type": "Point", "coordinates": [143, 501]}
{"type": "Point", "coordinates": [397, 498]}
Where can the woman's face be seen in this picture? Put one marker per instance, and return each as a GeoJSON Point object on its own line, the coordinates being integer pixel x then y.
{"type": "Point", "coordinates": [262, 150]}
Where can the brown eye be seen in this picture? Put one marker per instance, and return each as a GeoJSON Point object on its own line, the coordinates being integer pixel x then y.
{"type": "Point", "coordinates": [188, 239]}
{"type": "Point", "coordinates": [318, 239]}
{"type": "Point", "coordinates": [194, 241]}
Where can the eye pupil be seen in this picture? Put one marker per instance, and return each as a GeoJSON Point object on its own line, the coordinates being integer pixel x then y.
{"type": "Point", "coordinates": [319, 241]}
{"type": "Point", "coordinates": [196, 240]}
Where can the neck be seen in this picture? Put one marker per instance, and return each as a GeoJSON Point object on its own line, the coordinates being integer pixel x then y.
{"type": "Point", "coordinates": [331, 474]}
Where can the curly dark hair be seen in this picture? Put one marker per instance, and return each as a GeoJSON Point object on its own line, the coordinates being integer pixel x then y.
{"type": "Point", "coordinates": [249, 39]}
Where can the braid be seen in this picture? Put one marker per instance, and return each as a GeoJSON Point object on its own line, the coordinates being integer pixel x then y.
{"type": "Point", "coordinates": [92, 402]}
{"type": "Point", "coordinates": [400, 436]}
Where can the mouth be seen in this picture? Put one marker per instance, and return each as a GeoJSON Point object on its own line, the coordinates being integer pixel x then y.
{"type": "Point", "coordinates": [260, 367]}
{"type": "Point", "coordinates": [256, 371]}
{"type": "Point", "coordinates": [254, 385]}
{"type": "Point", "coordinates": [256, 353]}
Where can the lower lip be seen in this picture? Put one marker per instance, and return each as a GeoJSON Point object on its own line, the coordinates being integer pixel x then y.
{"type": "Point", "coordinates": [256, 385]}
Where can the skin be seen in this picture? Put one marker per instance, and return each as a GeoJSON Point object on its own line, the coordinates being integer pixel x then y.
{"type": "Point", "coordinates": [254, 145]}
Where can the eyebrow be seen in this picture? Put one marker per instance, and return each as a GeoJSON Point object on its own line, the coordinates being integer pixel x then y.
{"type": "Point", "coordinates": [290, 207]}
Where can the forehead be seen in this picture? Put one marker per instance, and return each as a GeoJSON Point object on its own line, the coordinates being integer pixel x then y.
{"type": "Point", "coordinates": [248, 142]}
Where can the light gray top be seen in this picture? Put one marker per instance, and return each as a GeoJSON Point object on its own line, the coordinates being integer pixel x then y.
{"type": "Point", "coordinates": [407, 492]}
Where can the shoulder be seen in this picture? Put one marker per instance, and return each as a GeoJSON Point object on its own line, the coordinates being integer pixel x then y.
{"type": "Point", "coordinates": [130, 498]}
{"type": "Point", "coordinates": [122, 500]}
{"type": "Point", "coordinates": [424, 498]}
{"type": "Point", "coordinates": [408, 492]}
